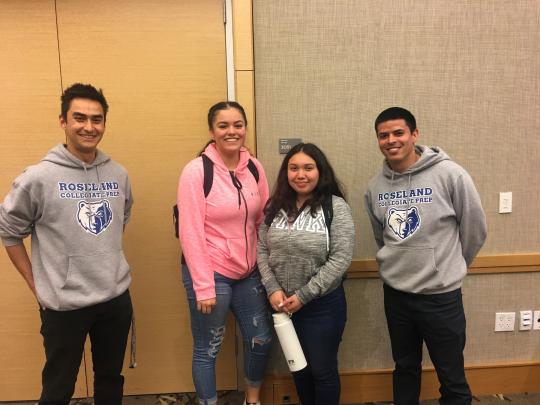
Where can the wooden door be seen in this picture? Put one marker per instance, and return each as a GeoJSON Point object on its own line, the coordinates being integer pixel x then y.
{"type": "Point", "coordinates": [161, 64]}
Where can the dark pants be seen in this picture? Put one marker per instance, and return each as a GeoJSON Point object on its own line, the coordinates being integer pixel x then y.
{"type": "Point", "coordinates": [439, 320]}
{"type": "Point", "coordinates": [64, 334]}
{"type": "Point", "coordinates": [319, 326]}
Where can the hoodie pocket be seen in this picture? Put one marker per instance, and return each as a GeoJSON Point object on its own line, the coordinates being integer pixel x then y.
{"type": "Point", "coordinates": [94, 278]}
{"type": "Point", "coordinates": [236, 247]}
{"type": "Point", "coordinates": [407, 268]}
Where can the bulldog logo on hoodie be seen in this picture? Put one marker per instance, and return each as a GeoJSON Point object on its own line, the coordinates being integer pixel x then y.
{"type": "Point", "coordinates": [404, 222]}
{"type": "Point", "coordinates": [94, 217]}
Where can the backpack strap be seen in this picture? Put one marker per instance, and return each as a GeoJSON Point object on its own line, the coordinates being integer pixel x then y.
{"type": "Point", "coordinates": [328, 211]}
{"type": "Point", "coordinates": [208, 176]}
{"type": "Point", "coordinates": [208, 168]}
{"type": "Point", "coordinates": [253, 169]}
{"type": "Point", "coordinates": [175, 220]}
{"type": "Point", "coordinates": [208, 179]}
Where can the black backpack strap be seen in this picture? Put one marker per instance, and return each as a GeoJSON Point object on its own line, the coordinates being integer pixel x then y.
{"type": "Point", "coordinates": [175, 220]}
{"type": "Point", "coordinates": [253, 169]}
{"type": "Point", "coordinates": [208, 176]}
{"type": "Point", "coordinates": [208, 179]}
{"type": "Point", "coordinates": [208, 168]}
{"type": "Point", "coordinates": [328, 211]}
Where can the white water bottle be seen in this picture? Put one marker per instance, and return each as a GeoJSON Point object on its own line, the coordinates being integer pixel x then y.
{"type": "Point", "coordinates": [289, 342]}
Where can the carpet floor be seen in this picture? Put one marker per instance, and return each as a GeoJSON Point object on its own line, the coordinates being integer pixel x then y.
{"type": "Point", "coordinates": [236, 398]}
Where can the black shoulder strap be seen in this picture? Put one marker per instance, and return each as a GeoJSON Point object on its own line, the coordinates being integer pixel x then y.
{"type": "Point", "coordinates": [208, 179]}
{"type": "Point", "coordinates": [208, 168]}
{"type": "Point", "coordinates": [253, 169]}
{"type": "Point", "coordinates": [175, 220]}
{"type": "Point", "coordinates": [328, 211]}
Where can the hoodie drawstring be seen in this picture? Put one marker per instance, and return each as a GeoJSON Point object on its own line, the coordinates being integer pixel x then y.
{"type": "Point", "coordinates": [236, 183]}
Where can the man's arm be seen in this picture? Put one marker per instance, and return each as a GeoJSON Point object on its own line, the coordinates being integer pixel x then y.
{"type": "Point", "coordinates": [376, 225]}
{"type": "Point", "coordinates": [470, 216]}
{"type": "Point", "coordinates": [19, 257]}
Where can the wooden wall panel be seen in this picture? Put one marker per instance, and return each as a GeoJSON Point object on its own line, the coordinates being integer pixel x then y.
{"type": "Point", "coordinates": [29, 108]}
{"type": "Point", "coordinates": [375, 385]}
{"type": "Point", "coordinates": [243, 34]}
{"type": "Point", "coordinates": [245, 96]}
{"type": "Point", "coordinates": [161, 65]}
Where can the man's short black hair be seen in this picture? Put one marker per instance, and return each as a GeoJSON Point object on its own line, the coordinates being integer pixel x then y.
{"type": "Point", "coordinates": [396, 113]}
{"type": "Point", "coordinates": [79, 90]}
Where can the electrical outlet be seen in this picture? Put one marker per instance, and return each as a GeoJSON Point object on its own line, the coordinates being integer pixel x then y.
{"type": "Point", "coordinates": [536, 320]}
{"type": "Point", "coordinates": [504, 321]}
{"type": "Point", "coordinates": [525, 320]}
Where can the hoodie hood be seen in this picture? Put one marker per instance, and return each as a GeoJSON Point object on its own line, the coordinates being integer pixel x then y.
{"type": "Point", "coordinates": [60, 155]}
{"type": "Point", "coordinates": [429, 156]}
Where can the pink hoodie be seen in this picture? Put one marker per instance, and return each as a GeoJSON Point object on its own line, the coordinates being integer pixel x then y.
{"type": "Point", "coordinates": [214, 230]}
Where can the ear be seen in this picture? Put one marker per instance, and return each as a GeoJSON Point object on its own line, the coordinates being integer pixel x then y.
{"type": "Point", "coordinates": [415, 134]}
{"type": "Point", "coordinates": [211, 133]}
{"type": "Point", "coordinates": [63, 122]}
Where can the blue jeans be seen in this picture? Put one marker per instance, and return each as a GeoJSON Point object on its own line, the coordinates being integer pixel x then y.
{"type": "Point", "coordinates": [247, 300]}
{"type": "Point", "coordinates": [319, 326]}
{"type": "Point", "coordinates": [439, 320]}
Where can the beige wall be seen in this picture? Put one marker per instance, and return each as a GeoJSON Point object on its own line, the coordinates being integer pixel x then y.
{"type": "Point", "coordinates": [323, 70]}
{"type": "Point", "coordinates": [469, 72]}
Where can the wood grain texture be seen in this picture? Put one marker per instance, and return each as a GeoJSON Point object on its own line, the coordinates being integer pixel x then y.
{"type": "Point", "coordinates": [376, 385]}
{"type": "Point", "coordinates": [161, 65]}
{"type": "Point", "coordinates": [29, 108]}
{"type": "Point", "coordinates": [503, 263]}
{"type": "Point", "coordinates": [245, 96]}
{"type": "Point", "coordinates": [243, 34]}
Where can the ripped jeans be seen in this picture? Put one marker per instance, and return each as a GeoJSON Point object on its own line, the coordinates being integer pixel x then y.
{"type": "Point", "coordinates": [247, 300]}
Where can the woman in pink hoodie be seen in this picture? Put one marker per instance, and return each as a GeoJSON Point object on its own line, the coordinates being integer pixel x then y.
{"type": "Point", "coordinates": [218, 233]}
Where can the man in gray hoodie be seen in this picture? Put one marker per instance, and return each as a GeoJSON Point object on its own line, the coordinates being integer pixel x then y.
{"type": "Point", "coordinates": [429, 225]}
{"type": "Point", "coordinates": [75, 204]}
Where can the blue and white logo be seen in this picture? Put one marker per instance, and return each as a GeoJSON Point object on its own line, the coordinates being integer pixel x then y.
{"type": "Point", "coordinates": [94, 217]}
{"type": "Point", "coordinates": [404, 222]}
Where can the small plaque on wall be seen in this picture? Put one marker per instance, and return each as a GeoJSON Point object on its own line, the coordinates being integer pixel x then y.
{"type": "Point", "coordinates": [286, 144]}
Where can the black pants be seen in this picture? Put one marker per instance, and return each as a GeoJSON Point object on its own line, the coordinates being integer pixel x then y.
{"type": "Point", "coordinates": [64, 334]}
{"type": "Point", "coordinates": [439, 320]}
{"type": "Point", "coordinates": [319, 326]}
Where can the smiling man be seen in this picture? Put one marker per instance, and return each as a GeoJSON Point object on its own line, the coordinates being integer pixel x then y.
{"type": "Point", "coordinates": [429, 225]}
{"type": "Point", "coordinates": [74, 204]}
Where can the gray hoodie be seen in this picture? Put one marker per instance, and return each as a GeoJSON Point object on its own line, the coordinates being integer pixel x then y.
{"type": "Point", "coordinates": [75, 213]}
{"type": "Point", "coordinates": [304, 258]}
{"type": "Point", "coordinates": [428, 223]}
